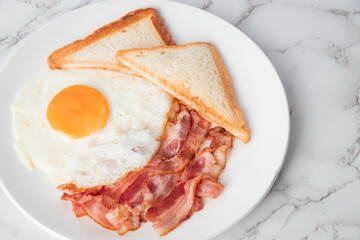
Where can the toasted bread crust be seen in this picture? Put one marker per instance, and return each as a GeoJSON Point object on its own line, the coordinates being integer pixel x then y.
{"type": "Point", "coordinates": [244, 134]}
{"type": "Point", "coordinates": [238, 129]}
{"type": "Point", "coordinates": [57, 59]}
{"type": "Point", "coordinates": [161, 28]}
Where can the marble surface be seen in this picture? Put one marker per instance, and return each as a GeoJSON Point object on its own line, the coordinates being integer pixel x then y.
{"type": "Point", "coordinates": [315, 47]}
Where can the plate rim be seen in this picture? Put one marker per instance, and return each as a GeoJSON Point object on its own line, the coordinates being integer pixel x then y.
{"type": "Point", "coordinates": [110, 2]}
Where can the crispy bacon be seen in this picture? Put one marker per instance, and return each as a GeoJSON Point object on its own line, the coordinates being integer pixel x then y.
{"type": "Point", "coordinates": [199, 128]}
{"type": "Point", "coordinates": [210, 160]}
{"type": "Point", "coordinates": [169, 213]}
{"type": "Point", "coordinates": [175, 135]}
{"type": "Point", "coordinates": [203, 163]}
{"type": "Point", "coordinates": [137, 197]}
{"type": "Point", "coordinates": [209, 188]}
{"type": "Point", "coordinates": [162, 185]}
{"type": "Point", "coordinates": [125, 212]}
{"type": "Point", "coordinates": [198, 204]}
{"type": "Point", "coordinates": [70, 188]}
{"type": "Point", "coordinates": [131, 194]}
{"type": "Point", "coordinates": [79, 198]}
{"type": "Point", "coordinates": [97, 211]}
{"type": "Point", "coordinates": [220, 137]}
{"type": "Point", "coordinates": [167, 166]}
{"type": "Point", "coordinates": [111, 193]}
{"type": "Point", "coordinates": [122, 219]}
{"type": "Point", "coordinates": [170, 188]}
{"type": "Point", "coordinates": [78, 209]}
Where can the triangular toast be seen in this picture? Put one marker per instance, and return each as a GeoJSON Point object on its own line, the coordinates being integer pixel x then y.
{"type": "Point", "coordinates": [140, 28]}
{"type": "Point", "coordinates": [195, 74]}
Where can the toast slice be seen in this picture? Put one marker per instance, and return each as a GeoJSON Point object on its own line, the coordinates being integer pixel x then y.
{"type": "Point", "coordinates": [195, 74]}
{"type": "Point", "coordinates": [140, 28]}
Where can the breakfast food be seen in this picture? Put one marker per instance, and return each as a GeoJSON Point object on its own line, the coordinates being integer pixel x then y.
{"type": "Point", "coordinates": [140, 28]}
{"type": "Point", "coordinates": [170, 188]}
{"type": "Point", "coordinates": [195, 74]}
{"type": "Point", "coordinates": [126, 148]}
{"type": "Point", "coordinates": [128, 125]}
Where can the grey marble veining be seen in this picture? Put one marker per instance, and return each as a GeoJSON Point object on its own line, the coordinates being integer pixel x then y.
{"type": "Point", "coordinates": [315, 47]}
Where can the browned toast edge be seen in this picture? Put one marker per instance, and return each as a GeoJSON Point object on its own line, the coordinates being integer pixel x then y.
{"type": "Point", "coordinates": [56, 60]}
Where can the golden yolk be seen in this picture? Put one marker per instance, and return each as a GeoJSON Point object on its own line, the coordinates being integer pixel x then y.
{"type": "Point", "coordinates": [78, 111]}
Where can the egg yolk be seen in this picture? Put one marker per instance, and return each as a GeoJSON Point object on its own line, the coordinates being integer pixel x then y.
{"type": "Point", "coordinates": [78, 111]}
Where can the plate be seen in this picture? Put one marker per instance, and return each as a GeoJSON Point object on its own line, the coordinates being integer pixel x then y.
{"type": "Point", "coordinates": [251, 168]}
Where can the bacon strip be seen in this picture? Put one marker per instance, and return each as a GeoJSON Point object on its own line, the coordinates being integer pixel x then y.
{"type": "Point", "coordinates": [131, 194]}
{"type": "Point", "coordinates": [204, 163]}
{"type": "Point", "coordinates": [170, 212]}
{"type": "Point", "coordinates": [167, 166]}
{"type": "Point", "coordinates": [199, 128]}
{"type": "Point", "coordinates": [209, 188]}
{"type": "Point", "coordinates": [111, 193]}
{"type": "Point", "coordinates": [162, 185]}
{"type": "Point", "coordinates": [97, 211]}
{"type": "Point", "coordinates": [122, 219]}
{"type": "Point", "coordinates": [128, 205]}
{"type": "Point", "coordinates": [70, 188]}
{"type": "Point", "coordinates": [197, 205]}
{"type": "Point", "coordinates": [211, 160]}
{"type": "Point", "coordinates": [219, 137]}
{"type": "Point", "coordinates": [78, 209]}
{"type": "Point", "coordinates": [175, 135]}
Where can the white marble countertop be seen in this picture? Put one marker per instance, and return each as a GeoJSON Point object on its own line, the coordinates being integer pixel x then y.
{"type": "Point", "coordinates": [315, 47]}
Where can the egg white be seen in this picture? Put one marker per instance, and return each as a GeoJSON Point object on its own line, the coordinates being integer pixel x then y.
{"type": "Point", "coordinates": [138, 114]}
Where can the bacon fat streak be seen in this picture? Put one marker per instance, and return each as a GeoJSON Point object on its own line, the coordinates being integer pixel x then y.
{"type": "Point", "coordinates": [170, 188]}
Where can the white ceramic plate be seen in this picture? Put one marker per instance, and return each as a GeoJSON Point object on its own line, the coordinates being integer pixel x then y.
{"type": "Point", "coordinates": [251, 168]}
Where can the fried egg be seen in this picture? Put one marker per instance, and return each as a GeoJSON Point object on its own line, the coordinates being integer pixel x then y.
{"type": "Point", "coordinates": [89, 127]}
